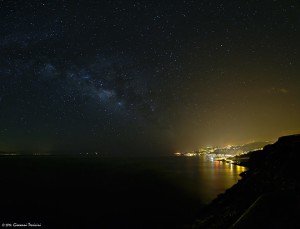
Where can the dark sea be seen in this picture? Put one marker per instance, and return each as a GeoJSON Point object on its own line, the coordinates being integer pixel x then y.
{"type": "Point", "coordinates": [98, 192]}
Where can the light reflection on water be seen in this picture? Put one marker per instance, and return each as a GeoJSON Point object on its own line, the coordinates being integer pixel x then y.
{"type": "Point", "coordinates": [204, 178]}
{"type": "Point", "coordinates": [217, 176]}
{"type": "Point", "coordinates": [199, 177]}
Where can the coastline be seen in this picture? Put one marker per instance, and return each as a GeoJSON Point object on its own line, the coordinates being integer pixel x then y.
{"type": "Point", "coordinates": [267, 196]}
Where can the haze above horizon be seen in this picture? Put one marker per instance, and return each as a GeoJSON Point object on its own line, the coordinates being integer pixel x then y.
{"type": "Point", "coordinates": [147, 77]}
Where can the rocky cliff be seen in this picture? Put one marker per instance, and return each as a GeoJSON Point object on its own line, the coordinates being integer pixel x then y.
{"type": "Point", "coordinates": [267, 196]}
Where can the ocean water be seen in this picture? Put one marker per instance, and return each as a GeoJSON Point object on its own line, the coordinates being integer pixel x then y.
{"type": "Point", "coordinates": [97, 192]}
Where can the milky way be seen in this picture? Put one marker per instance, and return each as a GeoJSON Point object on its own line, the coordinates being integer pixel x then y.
{"type": "Point", "coordinates": [155, 77]}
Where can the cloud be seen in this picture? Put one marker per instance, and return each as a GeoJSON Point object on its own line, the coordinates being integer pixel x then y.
{"type": "Point", "coordinates": [283, 90]}
{"type": "Point", "coordinates": [276, 90]}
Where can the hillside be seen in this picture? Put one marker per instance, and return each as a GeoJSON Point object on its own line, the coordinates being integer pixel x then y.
{"type": "Point", "coordinates": [267, 196]}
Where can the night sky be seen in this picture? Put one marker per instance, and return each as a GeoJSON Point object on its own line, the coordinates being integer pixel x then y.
{"type": "Point", "coordinates": [140, 77]}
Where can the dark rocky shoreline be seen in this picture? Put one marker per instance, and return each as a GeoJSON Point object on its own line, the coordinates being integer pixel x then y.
{"type": "Point", "coordinates": [267, 196]}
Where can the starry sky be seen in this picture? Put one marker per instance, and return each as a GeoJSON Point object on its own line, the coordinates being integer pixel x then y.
{"type": "Point", "coordinates": [147, 77]}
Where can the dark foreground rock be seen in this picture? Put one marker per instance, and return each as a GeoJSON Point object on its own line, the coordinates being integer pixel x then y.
{"type": "Point", "coordinates": [267, 196]}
